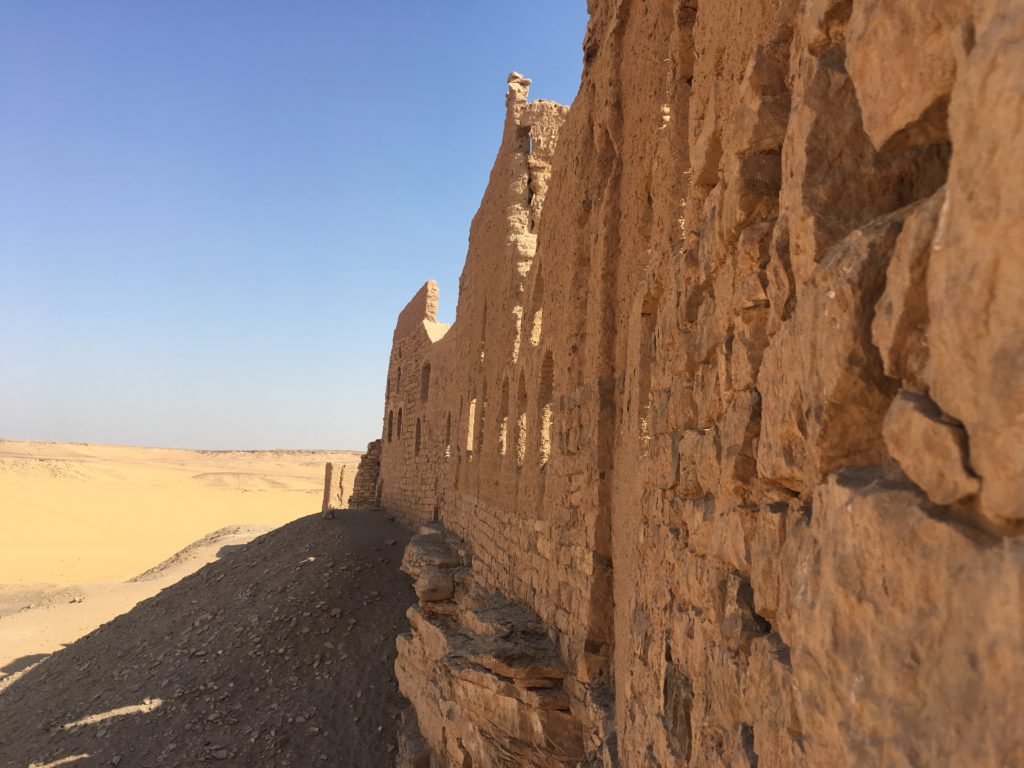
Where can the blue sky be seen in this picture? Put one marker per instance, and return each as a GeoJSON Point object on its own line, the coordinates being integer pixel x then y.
{"type": "Point", "coordinates": [211, 212]}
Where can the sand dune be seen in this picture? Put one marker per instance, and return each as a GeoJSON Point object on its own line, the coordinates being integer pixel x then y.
{"type": "Point", "coordinates": [87, 531]}
{"type": "Point", "coordinates": [73, 513]}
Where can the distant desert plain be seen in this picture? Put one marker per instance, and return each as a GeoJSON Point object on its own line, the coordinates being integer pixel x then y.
{"type": "Point", "coordinates": [87, 531]}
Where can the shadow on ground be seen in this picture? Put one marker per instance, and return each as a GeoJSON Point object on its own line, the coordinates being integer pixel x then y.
{"type": "Point", "coordinates": [21, 663]}
{"type": "Point", "coordinates": [228, 549]}
{"type": "Point", "coordinates": [280, 653]}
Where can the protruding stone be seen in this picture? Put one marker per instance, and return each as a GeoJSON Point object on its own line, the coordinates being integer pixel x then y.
{"type": "Point", "coordinates": [976, 273]}
{"type": "Point", "coordinates": [900, 325]}
{"type": "Point", "coordinates": [823, 391]}
{"type": "Point", "coordinates": [902, 57]}
{"type": "Point", "coordinates": [434, 585]}
{"type": "Point", "coordinates": [931, 450]}
{"type": "Point", "coordinates": [902, 624]}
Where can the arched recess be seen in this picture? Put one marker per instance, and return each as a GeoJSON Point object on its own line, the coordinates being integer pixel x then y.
{"type": "Point", "coordinates": [448, 436]}
{"type": "Point", "coordinates": [425, 382]}
{"type": "Point", "coordinates": [481, 419]}
{"type": "Point", "coordinates": [648, 348]}
{"type": "Point", "coordinates": [483, 332]}
{"type": "Point", "coordinates": [503, 419]}
{"type": "Point", "coordinates": [545, 407]}
{"type": "Point", "coordinates": [537, 308]}
{"type": "Point", "coordinates": [521, 420]}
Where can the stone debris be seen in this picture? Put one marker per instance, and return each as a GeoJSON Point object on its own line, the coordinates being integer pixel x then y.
{"type": "Point", "coordinates": [489, 667]}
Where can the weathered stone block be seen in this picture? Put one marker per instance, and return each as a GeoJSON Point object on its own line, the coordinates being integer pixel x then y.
{"type": "Point", "coordinates": [930, 449]}
{"type": "Point", "coordinates": [902, 57]}
{"type": "Point", "coordinates": [902, 624]}
{"type": "Point", "coordinates": [900, 325]}
{"type": "Point", "coordinates": [823, 392]}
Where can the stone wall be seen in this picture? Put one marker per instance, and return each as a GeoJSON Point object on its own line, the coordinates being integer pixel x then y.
{"type": "Point", "coordinates": [734, 400]}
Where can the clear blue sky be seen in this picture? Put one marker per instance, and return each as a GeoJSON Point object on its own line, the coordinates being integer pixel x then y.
{"type": "Point", "coordinates": [211, 212]}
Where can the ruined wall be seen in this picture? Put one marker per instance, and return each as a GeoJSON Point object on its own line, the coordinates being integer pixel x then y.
{"type": "Point", "coordinates": [734, 400]}
{"type": "Point", "coordinates": [364, 490]}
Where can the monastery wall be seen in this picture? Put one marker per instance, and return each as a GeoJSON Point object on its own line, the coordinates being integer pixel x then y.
{"type": "Point", "coordinates": [726, 444]}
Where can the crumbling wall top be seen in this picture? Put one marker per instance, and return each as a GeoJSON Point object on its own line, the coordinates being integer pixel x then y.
{"type": "Point", "coordinates": [420, 311]}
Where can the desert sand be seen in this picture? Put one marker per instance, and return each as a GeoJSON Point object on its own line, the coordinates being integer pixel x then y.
{"type": "Point", "coordinates": [88, 531]}
{"type": "Point", "coordinates": [77, 512]}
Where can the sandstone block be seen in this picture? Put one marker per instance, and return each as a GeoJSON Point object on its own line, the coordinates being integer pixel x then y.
{"type": "Point", "coordinates": [434, 585]}
{"type": "Point", "coordinates": [976, 274]}
{"type": "Point", "coordinates": [834, 180]}
{"type": "Point", "coordinates": [901, 624]}
{"type": "Point", "coordinates": [900, 325]}
{"type": "Point", "coordinates": [824, 394]}
{"type": "Point", "coordinates": [901, 55]}
{"type": "Point", "coordinates": [931, 450]}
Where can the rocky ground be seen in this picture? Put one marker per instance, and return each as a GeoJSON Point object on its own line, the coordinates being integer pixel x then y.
{"type": "Point", "coordinates": [279, 654]}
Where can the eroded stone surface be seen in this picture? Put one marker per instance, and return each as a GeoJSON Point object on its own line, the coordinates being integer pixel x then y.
{"type": "Point", "coordinates": [901, 627]}
{"type": "Point", "coordinates": [907, 91]}
{"type": "Point", "coordinates": [976, 275]}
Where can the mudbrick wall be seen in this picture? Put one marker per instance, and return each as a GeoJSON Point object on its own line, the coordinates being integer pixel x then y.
{"type": "Point", "coordinates": [722, 462]}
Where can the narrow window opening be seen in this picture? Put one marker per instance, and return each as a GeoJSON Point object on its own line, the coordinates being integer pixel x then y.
{"type": "Point", "coordinates": [537, 309]}
{"type": "Point", "coordinates": [545, 407]}
{"type": "Point", "coordinates": [398, 431]}
{"type": "Point", "coordinates": [425, 383]}
{"type": "Point", "coordinates": [391, 424]}
{"type": "Point", "coordinates": [521, 420]}
{"type": "Point", "coordinates": [481, 418]}
{"type": "Point", "coordinates": [417, 437]}
{"type": "Point", "coordinates": [483, 332]}
{"type": "Point", "coordinates": [448, 436]}
{"type": "Point", "coordinates": [470, 427]}
{"type": "Point", "coordinates": [503, 420]}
